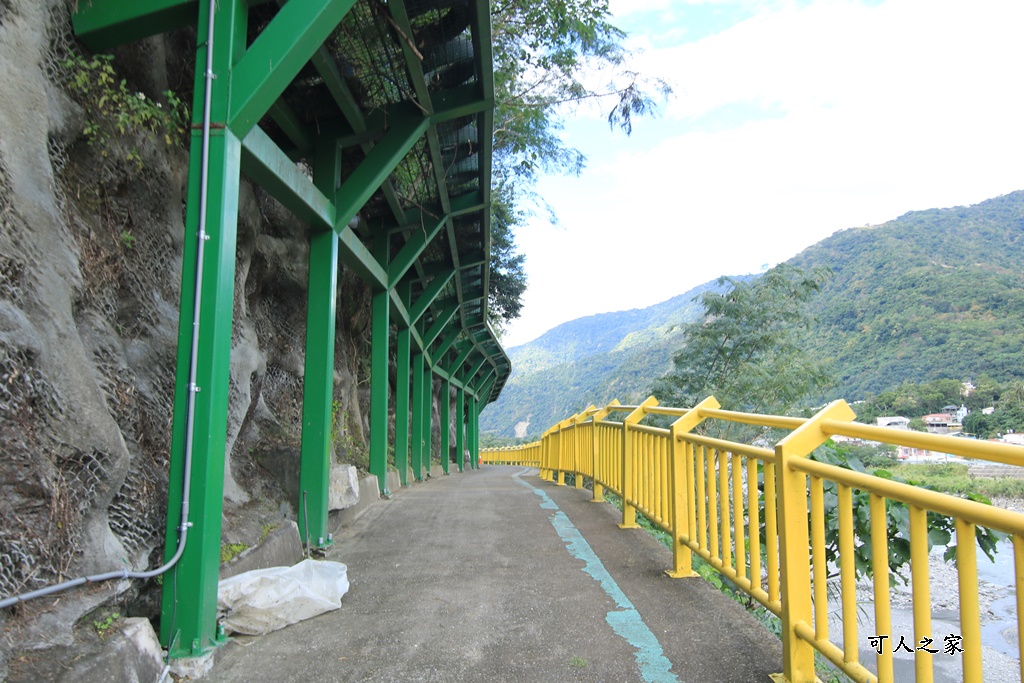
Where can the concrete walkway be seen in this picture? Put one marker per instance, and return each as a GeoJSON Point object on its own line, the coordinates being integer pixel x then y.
{"type": "Point", "coordinates": [495, 575]}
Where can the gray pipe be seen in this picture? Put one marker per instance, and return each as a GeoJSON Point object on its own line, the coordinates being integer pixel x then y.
{"type": "Point", "coordinates": [193, 358]}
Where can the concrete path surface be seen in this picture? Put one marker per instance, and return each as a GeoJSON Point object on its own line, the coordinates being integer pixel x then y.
{"type": "Point", "coordinates": [495, 575]}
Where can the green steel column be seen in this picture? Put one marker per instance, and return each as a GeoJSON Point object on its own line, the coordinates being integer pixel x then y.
{"type": "Point", "coordinates": [379, 371]}
{"type": "Point", "coordinates": [318, 379]}
{"type": "Point", "coordinates": [417, 416]}
{"type": "Point", "coordinates": [460, 423]}
{"type": "Point", "coordinates": [402, 379]}
{"type": "Point", "coordinates": [188, 624]}
{"type": "Point", "coordinates": [446, 423]}
{"type": "Point", "coordinates": [428, 415]}
{"type": "Point", "coordinates": [471, 433]}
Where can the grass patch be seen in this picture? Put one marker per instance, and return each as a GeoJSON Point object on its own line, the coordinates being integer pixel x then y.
{"type": "Point", "coordinates": [578, 663]}
{"type": "Point", "coordinates": [955, 478]}
{"type": "Point", "coordinates": [229, 551]}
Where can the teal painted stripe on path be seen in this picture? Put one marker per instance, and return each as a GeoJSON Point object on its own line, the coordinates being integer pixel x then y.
{"type": "Point", "coordinates": [626, 622]}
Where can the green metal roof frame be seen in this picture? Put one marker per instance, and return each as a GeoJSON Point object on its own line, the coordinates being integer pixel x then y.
{"type": "Point", "coordinates": [441, 248]}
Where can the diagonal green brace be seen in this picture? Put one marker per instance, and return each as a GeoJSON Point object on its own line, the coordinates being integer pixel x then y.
{"type": "Point", "coordinates": [277, 55]}
{"type": "Point", "coordinates": [411, 250]}
{"type": "Point", "coordinates": [442, 321]}
{"type": "Point", "coordinates": [447, 343]}
{"type": "Point", "coordinates": [407, 126]}
{"type": "Point", "coordinates": [429, 294]}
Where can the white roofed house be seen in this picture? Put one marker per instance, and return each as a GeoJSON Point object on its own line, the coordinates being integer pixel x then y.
{"type": "Point", "coordinates": [895, 421]}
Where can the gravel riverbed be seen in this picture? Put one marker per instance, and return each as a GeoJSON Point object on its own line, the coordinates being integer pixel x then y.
{"type": "Point", "coordinates": [997, 603]}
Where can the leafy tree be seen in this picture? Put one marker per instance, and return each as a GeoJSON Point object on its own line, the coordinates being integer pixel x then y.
{"type": "Point", "coordinates": [746, 350]}
{"type": "Point", "coordinates": [918, 425]}
{"type": "Point", "coordinates": [507, 279]}
{"type": "Point", "coordinates": [941, 529]}
{"type": "Point", "coordinates": [550, 56]}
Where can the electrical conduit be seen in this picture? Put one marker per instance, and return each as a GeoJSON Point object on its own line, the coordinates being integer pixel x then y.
{"type": "Point", "coordinates": [193, 361]}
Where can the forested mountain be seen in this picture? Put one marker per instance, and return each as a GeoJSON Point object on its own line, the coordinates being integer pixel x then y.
{"type": "Point", "coordinates": [933, 294]}
{"type": "Point", "coordinates": [596, 359]}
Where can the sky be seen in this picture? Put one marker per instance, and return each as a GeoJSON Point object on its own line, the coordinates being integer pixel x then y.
{"type": "Point", "coordinates": [788, 122]}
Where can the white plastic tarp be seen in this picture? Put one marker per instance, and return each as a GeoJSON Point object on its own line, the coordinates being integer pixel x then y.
{"type": "Point", "coordinates": [264, 600]}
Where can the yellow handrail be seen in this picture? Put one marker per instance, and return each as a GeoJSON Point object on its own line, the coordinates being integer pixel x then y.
{"type": "Point", "coordinates": [709, 493]}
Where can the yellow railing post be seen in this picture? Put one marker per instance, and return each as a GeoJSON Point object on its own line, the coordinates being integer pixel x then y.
{"type": "Point", "coordinates": [577, 441]}
{"type": "Point", "coordinates": [681, 491]}
{"type": "Point", "coordinates": [595, 453]}
{"type": "Point", "coordinates": [546, 469]}
{"type": "Point", "coordinates": [560, 448]}
{"type": "Point", "coordinates": [628, 471]}
{"type": "Point", "coordinates": [794, 542]}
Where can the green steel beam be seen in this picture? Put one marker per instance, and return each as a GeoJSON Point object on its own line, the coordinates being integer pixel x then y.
{"type": "Point", "coordinates": [412, 60]}
{"type": "Point", "coordinates": [103, 24]}
{"type": "Point", "coordinates": [460, 423]}
{"type": "Point", "coordinates": [447, 343]}
{"type": "Point", "coordinates": [473, 369]}
{"type": "Point", "coordinates": [188, 624]}
{"type": "Point", "coordinates": [270, 168]}
{"type": "Point", "coordinates": [408, 125]}
{"type": "Point", "coordinates": [403, 342]}
{"type": "Point", "coordinates": [446, 408]}
{"type": "Point", "coordinates": [318, 378]}
{"type": "Point", "coordinates": [356, 256]}
{"type": "Point", "coordinates": [460, 359]}
{"type": "Point", "coordinates": [468, 203]}
{"type": "Point", "coordinates": [430, 293]}
{"type": "Point", "coordinates": [411, 250]}
{"type": "Point", "coordinates": [417, 416]}
{"type": "Point", "coordinates": [458, 102]}
{"type": "Point", "coordinates": [277, 55]}
{"type": "Point", "coordinates": [325, 65]}
{"type": "Point", "coordinates": [442, 321]}
{"type": "Point", "coordinates": [485, 389]}
{"type": "Point", "coordinates": [399, 311]}
{"type": "Point", "coordinates": [379, 341]}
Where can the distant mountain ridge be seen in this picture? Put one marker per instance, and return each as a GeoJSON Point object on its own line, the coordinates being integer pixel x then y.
{"type": "Point", "coordinates": [931, 294]}
{"type": "Point", "coordinates": [603, 356]}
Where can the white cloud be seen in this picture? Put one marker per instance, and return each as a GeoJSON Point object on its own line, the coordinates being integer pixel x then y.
{"type": "Point", "coordinates": [878, 110]}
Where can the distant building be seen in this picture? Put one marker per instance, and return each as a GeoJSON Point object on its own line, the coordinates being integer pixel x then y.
{"type": "Point", "coordinates": [958, 413]}
{"type": "Point", "coordinates": [896, 422]}
{"type": "Point", "coordinates": [988, 411]}
{"type": "Point", "coordinates": [941, 423]}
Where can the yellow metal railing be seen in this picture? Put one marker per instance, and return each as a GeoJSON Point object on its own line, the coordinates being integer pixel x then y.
{"type": "Point", "coordinates": [707, 494]}
{"type": "Point", "coordinates": [527, 455]}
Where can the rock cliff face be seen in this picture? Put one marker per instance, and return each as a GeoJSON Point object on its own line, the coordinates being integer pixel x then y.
{"type": "Point", "coordinates": [90, 264]}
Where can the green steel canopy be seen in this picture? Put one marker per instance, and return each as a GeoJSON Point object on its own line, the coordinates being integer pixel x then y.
{"type": "Point", "coordinates": [372, 122]}
{"type": "Point", "coordinates": [406, 89]}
